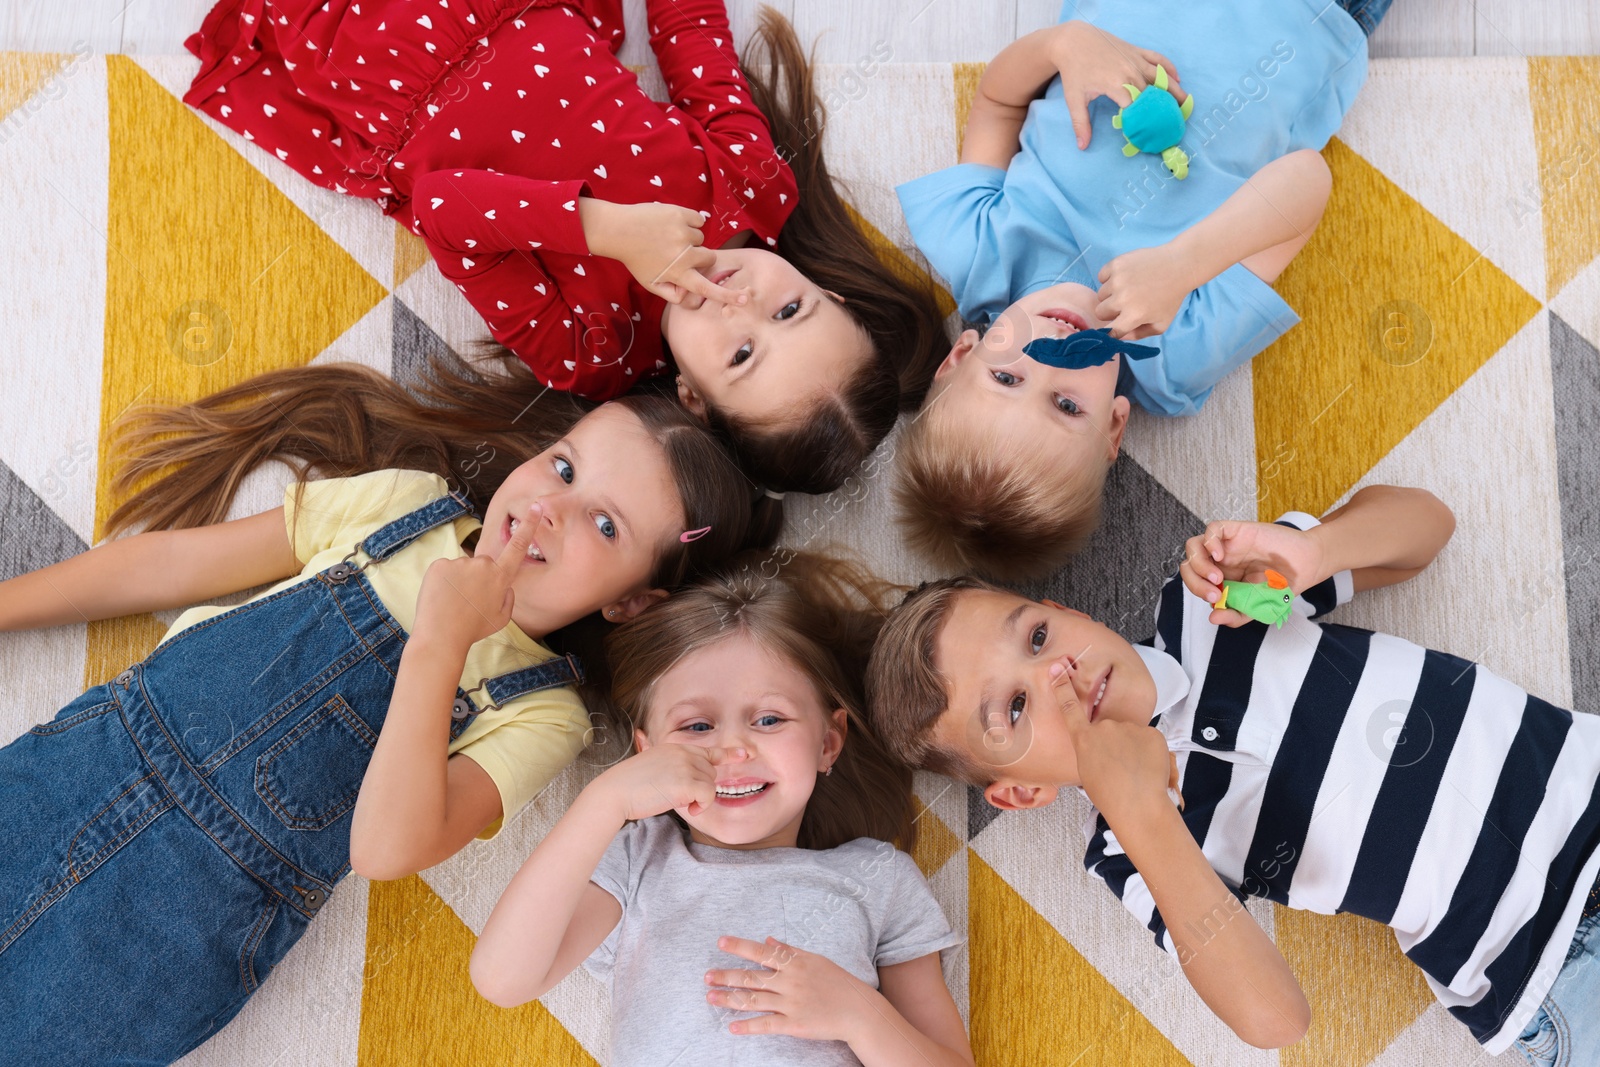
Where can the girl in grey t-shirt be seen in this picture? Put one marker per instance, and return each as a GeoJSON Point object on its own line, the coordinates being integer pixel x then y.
{"type": "Point", "coordinates": [767, 920]}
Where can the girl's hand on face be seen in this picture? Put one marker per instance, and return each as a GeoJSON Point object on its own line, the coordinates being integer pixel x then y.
{"type": "Point", "coordinates": [469, 598]}
{"type": "Point", "coordinates": [1125, 767]}
{"type": "Point", "coordinates": [1093, 64]}
{"type": "Point", "coordinates": [662, 778]}
{"type": "Point", "coordinates": [1141, 292]}
{"type": "Point", "coordinates": [661, 245]}
{"type": "Point", "coordinates": [804, 994]}
{"type": "Point", "coordinates": [1243, 552]}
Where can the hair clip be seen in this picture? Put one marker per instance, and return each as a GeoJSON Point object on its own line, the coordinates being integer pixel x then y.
{"type": "Point", "coordinates": [693, 535]}
{"type": "Point", "coordinates": [1084, 349]}
{"type": "Point", "coordinates": [775, 496]}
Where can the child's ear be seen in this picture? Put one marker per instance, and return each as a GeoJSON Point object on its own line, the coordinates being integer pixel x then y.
{"type": "Point", "coordinates": [836, 296]}
{"type": "Point", "coordinates": [1013, 796]}
{"type": "Point", "coordinates": [693, 401]}
{"type": "Point", "coordinates": [959, 351]}
{"type": "Point", "coordinates": [640, 741]}
{"type": "Point", "coordinates": [626, 608]}
{"type": "Point", "coordinates": [1119, 423]}
{"type": "Point", "coordinates": [833, 740]}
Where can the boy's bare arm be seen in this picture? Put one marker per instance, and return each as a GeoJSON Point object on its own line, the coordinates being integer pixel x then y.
{"type": "Point", "coordinates": [1263, 225]}
{"type": "Point", "coordinates": [1091, 62]}
{"type": "Point", "coordinates": [1227, 957]}
{"type": "Point", "coordinates": [1385, 534]}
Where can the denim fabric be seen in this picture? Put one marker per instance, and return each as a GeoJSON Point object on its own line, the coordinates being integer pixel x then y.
{"type": "Point", "coordinates": [1565, 1031]}
{"type": "Point", "coordinates": [170, 835]}
{"type": "Point", "coordinates": [1367, 13]}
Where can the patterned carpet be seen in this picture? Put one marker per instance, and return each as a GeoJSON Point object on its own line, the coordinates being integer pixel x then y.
{"type": "Point", "coordinates": [1451, 302]}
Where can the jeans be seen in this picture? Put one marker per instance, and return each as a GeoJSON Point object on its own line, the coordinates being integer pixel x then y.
{"type": "Point", "coordinates": [1367, 13]}
{"type": "Point", "coordinates": [1565, 1031]}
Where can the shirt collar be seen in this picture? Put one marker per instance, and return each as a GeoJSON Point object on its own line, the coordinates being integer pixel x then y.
{"type": "Point", "coordinates": [1172, 684]}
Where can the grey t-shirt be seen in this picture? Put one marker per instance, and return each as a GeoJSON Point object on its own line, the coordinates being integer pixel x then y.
{"type": "Point", "coordinates": [863, 905]}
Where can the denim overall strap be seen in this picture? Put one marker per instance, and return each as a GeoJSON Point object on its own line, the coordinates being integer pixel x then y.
{"type": "Point", "coordinates": [387, 540]}
{"type": "Point", "coordinates": [551, 674]}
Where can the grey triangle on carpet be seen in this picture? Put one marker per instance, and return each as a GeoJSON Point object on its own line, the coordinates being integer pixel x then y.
{"type": "Point", "coordinates": [980, 813]}
{"type": "Point", "coordinates": [1117, 578]}
{"type": "Point", "coordinates": [414, 344]}
{"type": "Point", "coordinates": [34, 535]}
{"type": "Point", "coordinates": [1575, 377]}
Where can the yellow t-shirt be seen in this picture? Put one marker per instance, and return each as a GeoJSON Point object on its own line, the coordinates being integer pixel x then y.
{"type": "Point", "coordinates": [522, 744]}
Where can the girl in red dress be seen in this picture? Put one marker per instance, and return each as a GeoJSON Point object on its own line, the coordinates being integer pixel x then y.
{"type": "Point", "coordinates": [602, 236]}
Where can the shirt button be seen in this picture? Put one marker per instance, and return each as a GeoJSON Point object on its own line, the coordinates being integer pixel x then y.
{"type": "Point", "coordinates": [125, 677]}
{"type": "Point", "coordinates": [1209, 733]}
{"type": "Point", "coordinates": [314, 898]}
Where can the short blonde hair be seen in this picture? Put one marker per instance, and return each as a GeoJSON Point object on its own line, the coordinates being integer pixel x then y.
{"type": "Point", "coordinates": [967, 502]}
{"type": "Point", "coordinates": [906, 693]}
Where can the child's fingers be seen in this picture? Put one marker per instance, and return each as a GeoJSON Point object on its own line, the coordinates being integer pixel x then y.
{"type": "Point", "coordinates": [1077, 719]}
{"type": "Point", "coordinates": [1228, 617]}
{"type": "Point", "coordinates": [516, 550]}
{"type": "Point", "coordinates": [744, 948]}
{"type": "Point", "coordinates": [1078, 107]}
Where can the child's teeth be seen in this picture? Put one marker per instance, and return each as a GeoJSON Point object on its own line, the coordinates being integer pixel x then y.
{"type": "Point", "coordinates": [740, 790]}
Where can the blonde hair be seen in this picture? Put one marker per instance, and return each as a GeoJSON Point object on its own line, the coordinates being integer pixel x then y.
{"type": "Point", "coordinates": [821, 615]}
{"type": "Point", "coordinates": [906, 693]}
{"type": "Point", "coordinates": [967, 501]}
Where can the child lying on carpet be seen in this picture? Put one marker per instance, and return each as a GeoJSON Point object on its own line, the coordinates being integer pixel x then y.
{"type": "Point", "coordinates": [580, 217]}
{"type": "Point", "coordinates": [759, 803]}
{"type": "Point", "coordinates": [1004, 470]}
{"type": "Point", "coordinates": [171, 834]}
{"type": "Point", "coordinates": [1471, 831]}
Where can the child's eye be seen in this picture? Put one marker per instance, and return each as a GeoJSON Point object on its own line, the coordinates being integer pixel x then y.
{"type": "Point", "coordinates": [1068, 405]}
{"type": "Point", "coordinates": [696, 727]}
{"type": "Point", "coordinates": [1018, 703]}
{"type": "Point", "coordinates": [789, 310]}
{"type": "Point", "coordinates": [1004, 377]}
{"type": "Point", "coordinates": [563, 470]}
{"type": "Point", "coordinates": [769, 719]}
{"type": "Point", "coordinates": [1036, 640]}
{"type": "Point", "coordinates": [741, 355]}
{"type": "Point", "coordinates": [607, 528]}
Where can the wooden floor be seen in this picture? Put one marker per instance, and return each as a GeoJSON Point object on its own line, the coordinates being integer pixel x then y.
{"type": "Point", "coordinates": [848, 30]}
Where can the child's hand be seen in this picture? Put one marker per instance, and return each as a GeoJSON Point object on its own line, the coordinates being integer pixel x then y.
{"type": "Point", "coordinates": [662, 778]}
{"type": "Point", "coordinates": [1141, 292]}
{"type": "Point", "coordinates": [1243, 552]}
{"type": "Point", "coordinates": [806, 995]}
{"type": "Point", "coordinates": [1093, 64]}
{"type": "Point", "coordinates": [660, 244]}
{"type": "Point", "coordinates": [467, 599]}
{"type": "Point", "coordinates": [1125, 767]}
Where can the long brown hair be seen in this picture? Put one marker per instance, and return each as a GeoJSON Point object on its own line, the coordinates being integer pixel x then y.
{"type": "Point", "coordinates": [821, 615]}
{"type": "Point", "coordinates": [184, 463]}
{"type": "Point", "coordinates": [900, 315]}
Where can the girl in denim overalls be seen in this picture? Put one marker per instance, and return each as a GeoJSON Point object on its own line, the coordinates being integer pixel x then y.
{"type": "Point", "coordinates": [170, 834]}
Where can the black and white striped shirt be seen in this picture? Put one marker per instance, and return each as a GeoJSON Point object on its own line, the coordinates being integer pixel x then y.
{"type": "Point", "coordinates": [1335, 769]}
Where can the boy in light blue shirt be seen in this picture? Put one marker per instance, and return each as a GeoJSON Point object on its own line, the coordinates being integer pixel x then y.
{"type": "Point", "coordinates": [1045, 229]}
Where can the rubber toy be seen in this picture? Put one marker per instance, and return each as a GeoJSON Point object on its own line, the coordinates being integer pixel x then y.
{"type": "Point", "coordinates": [1084, 349]}
{"type": "Point", "coordinates": [1269, 601]}
{"type": "Point", "coordinates": [1155, 123]}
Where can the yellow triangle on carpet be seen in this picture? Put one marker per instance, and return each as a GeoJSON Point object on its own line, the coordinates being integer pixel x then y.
{"type": "Point", "coordinates": [1035, 1000]}
{"type": "Point", "coordinates": [897, 261]}
{"type": "Point", "coordinates": [113, 645]}
{"type": "Point", "coordinates": [1565, 93]}
{"type": "Point", "coordinates": [966, 77]}
{"type": "Point", "coordinates": [1397, 312]}
{"type": "Point", "coordinates": [418, 1006]}
{"type": "Point", "coordinates": [212, 274]}
{"type": "Point", "coordinates": [1362, 989]}
{"type": "Point", "coordinates": [22, 74]}
{"type": "Point", "coordinates": [935, 841]}
{"type": "Point", "coordinates": [410, 254]}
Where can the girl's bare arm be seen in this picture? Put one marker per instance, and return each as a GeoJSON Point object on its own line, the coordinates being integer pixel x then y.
{"type": "Point", "coordinates": [151, 571]}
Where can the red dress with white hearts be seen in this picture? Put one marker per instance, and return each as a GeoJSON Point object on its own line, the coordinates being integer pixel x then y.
{"type": "Point", "coordinates": [479, 123]}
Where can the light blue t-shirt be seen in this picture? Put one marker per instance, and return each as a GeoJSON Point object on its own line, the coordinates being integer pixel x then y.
{"type": "Point", "coordinates": [1268, 77]}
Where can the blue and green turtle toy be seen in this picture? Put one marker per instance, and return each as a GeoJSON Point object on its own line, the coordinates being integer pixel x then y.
{"type": "Point", "coordinates": [1270, 601]}
{"type": "Point", "coordinates": [1154, 123]}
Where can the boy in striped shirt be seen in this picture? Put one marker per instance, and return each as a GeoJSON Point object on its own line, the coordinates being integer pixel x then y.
{"type": "Point", "coordinates": [1322, 766]}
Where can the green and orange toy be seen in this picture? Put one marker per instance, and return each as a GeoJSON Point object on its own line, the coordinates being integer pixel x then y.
{"type": "Point", "coordinates": [1155, 123]}
{"type": "Point", "coordinates": [1270, 601]}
